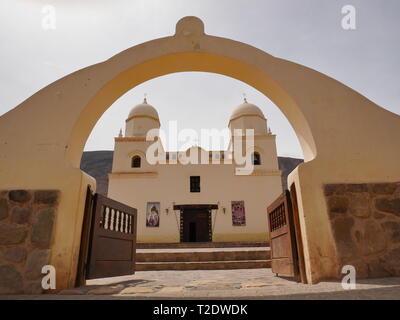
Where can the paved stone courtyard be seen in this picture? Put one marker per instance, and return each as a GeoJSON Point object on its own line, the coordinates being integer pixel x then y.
{"type": "Point", "coordinates": [219, 284]}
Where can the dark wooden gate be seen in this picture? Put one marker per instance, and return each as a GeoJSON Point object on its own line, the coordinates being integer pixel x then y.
{"type": "Point", "coordinates": [282, 237]}
{"type": "Point", "coordinates": [108, 244]}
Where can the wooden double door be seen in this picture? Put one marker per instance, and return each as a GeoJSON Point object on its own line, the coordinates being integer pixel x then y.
{"type": "Point", "coordinates": [196, 225]}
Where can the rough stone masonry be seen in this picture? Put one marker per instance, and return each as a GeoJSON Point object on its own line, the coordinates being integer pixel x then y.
{"type": "Point", "coordinates": [365, 220]}
{"type": "Point", "coordinates": [26, 229]}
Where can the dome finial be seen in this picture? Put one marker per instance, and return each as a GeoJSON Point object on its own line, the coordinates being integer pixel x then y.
{"type": "Point", "coordinates": [244, 98]}
{"type": "Point", "coordinates": [120, 134]}
{"type": "Point", "coordinates": [145, 98]}
{"type": "Point", "coordinates": [247, 109]}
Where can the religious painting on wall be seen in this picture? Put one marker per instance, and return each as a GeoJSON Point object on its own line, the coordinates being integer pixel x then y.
{"type": "Point", "coordinates": [153, 214]}
{"type": "Point", "coordinates": [238, 213]}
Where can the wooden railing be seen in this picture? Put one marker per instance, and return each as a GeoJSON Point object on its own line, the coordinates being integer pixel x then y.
{"type": "Point", "coordinates": [277, 217]}
{"type": "Point", "coordinates": [116, 220]}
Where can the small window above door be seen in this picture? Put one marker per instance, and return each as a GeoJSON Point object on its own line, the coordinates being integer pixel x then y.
{"type": "Point", "coordinates": [195, 184]}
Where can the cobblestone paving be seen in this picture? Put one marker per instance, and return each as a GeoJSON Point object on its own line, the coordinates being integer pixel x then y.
{"type": "Point", "coordinates": [229, 284]}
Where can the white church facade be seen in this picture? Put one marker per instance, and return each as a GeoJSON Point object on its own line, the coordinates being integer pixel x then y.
{"type": "Point", "coordinates": [201, 202]}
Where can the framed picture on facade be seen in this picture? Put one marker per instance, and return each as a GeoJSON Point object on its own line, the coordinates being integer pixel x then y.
{"type": "Point", "coordinates": [238, 213]}
{"type": "Point", "coordinates": [153, 214]}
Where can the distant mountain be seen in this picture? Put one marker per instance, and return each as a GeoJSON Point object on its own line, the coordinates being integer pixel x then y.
{"type": "Point", "coordinates": [287, 165]}
{"type": "Point", "coordinates": [99, 163]}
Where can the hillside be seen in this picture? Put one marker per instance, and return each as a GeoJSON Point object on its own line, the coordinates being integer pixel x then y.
{"type": "Point", "coordinates": [99, 163]}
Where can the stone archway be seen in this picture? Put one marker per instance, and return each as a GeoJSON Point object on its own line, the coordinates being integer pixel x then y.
{"type": "Point", "coordinates": [344, 136]}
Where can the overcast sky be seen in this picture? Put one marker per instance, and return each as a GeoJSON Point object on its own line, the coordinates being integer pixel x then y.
{"type": "Point", "coordinates": [308, 32]}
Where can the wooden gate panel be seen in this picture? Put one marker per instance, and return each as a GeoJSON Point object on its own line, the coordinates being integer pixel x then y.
{"type": "Point", "coordinates": [85, 239]}
{"type": "Point", "coordinates": [117, 249]}
{"type": "Point", "coordinates": [282, 237]}
{"type": "Point", "coordinates": [113, 239]}
{"type": "Point", "coordinates": [281, 245]}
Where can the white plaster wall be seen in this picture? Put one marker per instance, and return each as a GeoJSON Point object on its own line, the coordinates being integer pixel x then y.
{"type": "Point", "coordinates": [169, 184]}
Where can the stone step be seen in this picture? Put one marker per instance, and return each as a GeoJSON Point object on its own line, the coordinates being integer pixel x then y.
{"type": "Point", "coordinates": [203, 265]}
{"type": "Point", "coordinates": [231, 254]}
{"type": "Point", "coordinates": [236, 244]}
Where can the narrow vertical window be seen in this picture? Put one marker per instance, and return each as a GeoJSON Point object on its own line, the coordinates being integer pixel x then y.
{"type": "Point", "coordinates": [136, 162]}
{"type": "Point", "coordinates": [195, 184]}
{"type": "Point", "coordinates": [256, 159]}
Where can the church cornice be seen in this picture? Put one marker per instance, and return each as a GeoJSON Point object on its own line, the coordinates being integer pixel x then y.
{"type": "Point", "coordinates": [264, 136]}
{"type": "Point", "coordinates": [132, 175]}
{"type": "Point", "coordinates": [133, 139]}
{"type": "Point", "coordinates": [247, 115]}
{"type": "Point", "coordinates": [259, 136]}
{"type": "Point", "coordinates": [263, 173]}
{"type": "Point", "coordinates": [143, 116]}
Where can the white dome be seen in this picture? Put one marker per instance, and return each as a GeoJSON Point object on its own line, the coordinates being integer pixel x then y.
{"type": "Point", "coordinates": [144, 110]}
{"type": "Point", "coordinates": [247, 109]}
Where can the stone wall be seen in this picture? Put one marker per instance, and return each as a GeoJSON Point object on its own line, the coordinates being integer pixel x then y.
{"type": "Point", "coordinates": [26, 228]}
{"type": "Point", "coordinates": [365, 221]}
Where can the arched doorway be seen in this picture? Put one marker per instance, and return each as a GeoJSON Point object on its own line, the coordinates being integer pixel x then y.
{"type": "Point", "coordinates": [324, 113]}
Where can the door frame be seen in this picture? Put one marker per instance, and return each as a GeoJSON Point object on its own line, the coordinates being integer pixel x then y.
{"type": "Point", "coordinates": [188, 207]}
